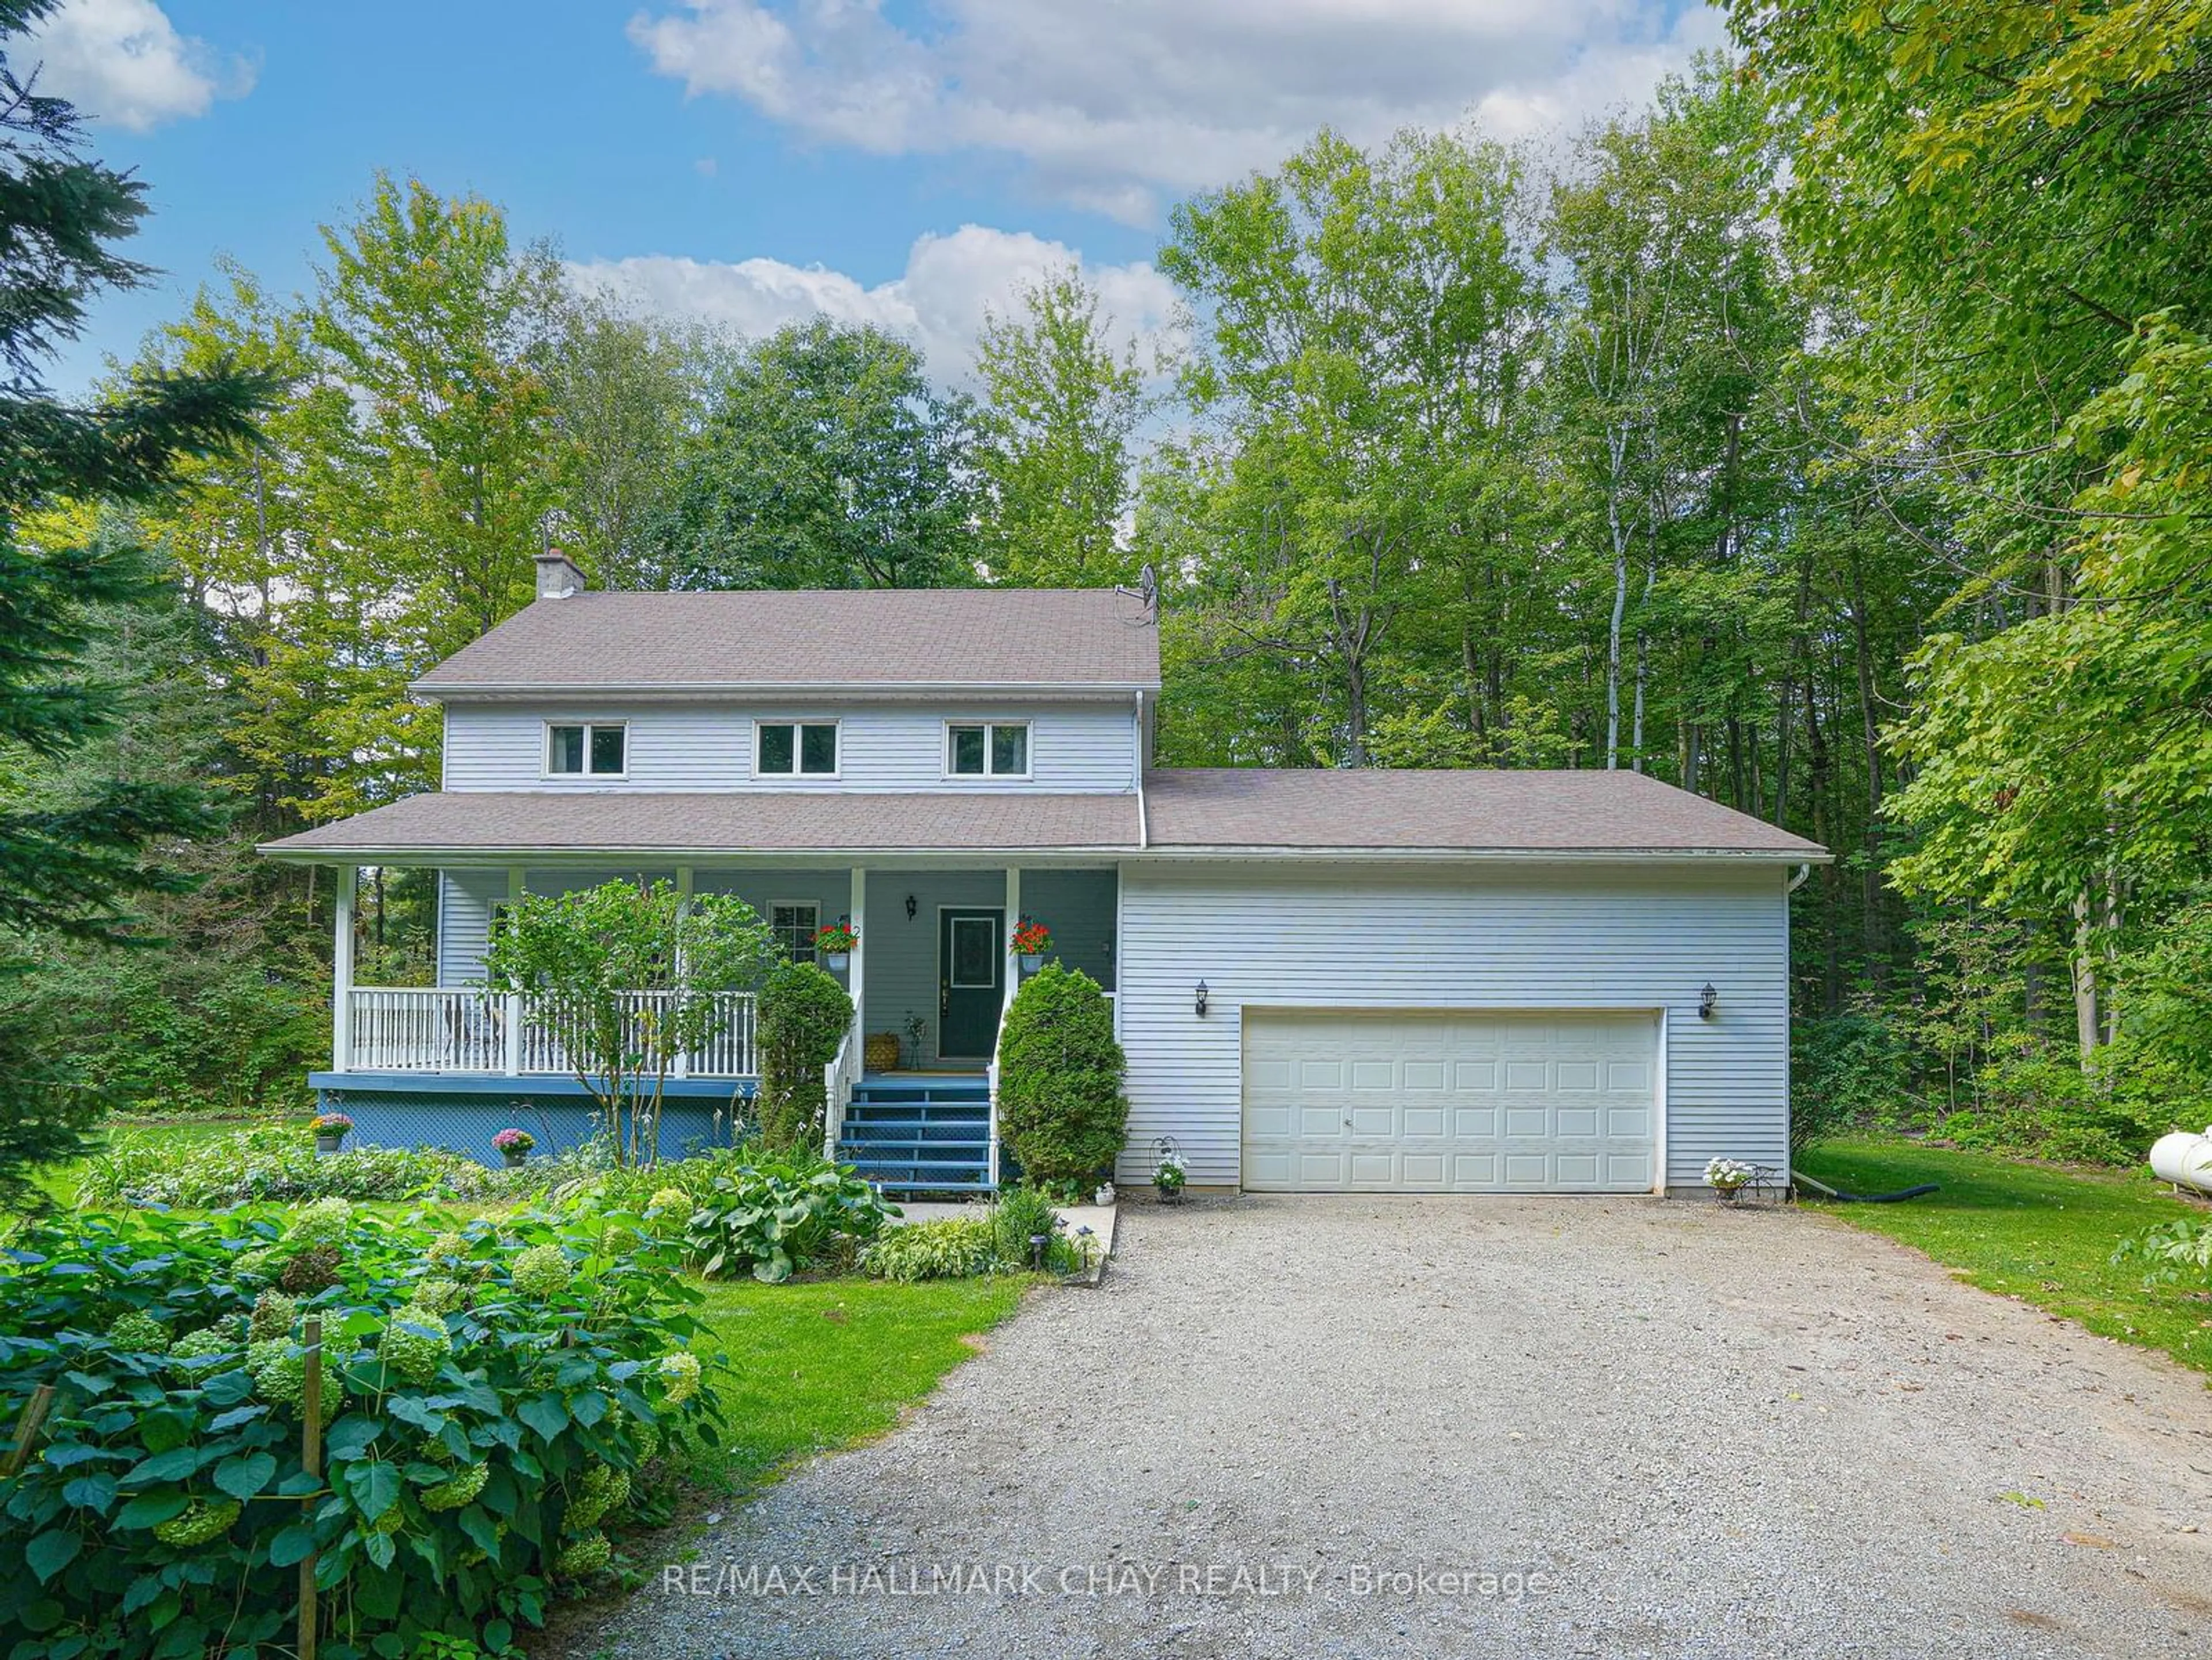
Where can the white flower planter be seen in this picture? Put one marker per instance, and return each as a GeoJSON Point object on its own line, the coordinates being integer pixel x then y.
{"type": "Point", "coordinates": [839, 961]}
{"type": "Point", "coordinates": [1032, 960]}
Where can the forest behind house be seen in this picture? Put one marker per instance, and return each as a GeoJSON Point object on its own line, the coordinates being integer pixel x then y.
{"type": "Point", "coordinates": [1831, 438]}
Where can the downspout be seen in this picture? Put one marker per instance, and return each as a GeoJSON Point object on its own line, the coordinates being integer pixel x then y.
{"type": "Point", "coordinates": [1798, 881]}
{"type": "Point", "coordinates": [1144, 839]}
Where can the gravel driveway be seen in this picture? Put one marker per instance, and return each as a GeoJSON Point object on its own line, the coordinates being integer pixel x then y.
{"type": "Point", "coordinates": [1671, 1429]}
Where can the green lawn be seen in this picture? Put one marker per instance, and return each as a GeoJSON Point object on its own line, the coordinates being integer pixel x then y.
{"type": "Point", "coordinates": [2033, 1231]}
{"type": "Point", "coordinates": [818, 1365]}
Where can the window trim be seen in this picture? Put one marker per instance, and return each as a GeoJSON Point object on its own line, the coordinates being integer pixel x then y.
{"type": "Point", "coordinates": [836, 724]}
{"type": "Point", "coordinates": [545, 751]}
{"type": "Point", "coordinates": [1028, 751]}
{"type": "Point", "coordinates": [813, 956]}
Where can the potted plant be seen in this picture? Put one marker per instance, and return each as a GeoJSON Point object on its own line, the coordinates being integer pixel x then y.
{"type": "Point", "coordinates": [1168, 1173]}
{"type": "Point", "coordinates": [330, 1129]}
{"type": "Point", "coordinates": [917, 1039]}
{"type": "Point", "coordinates": [833, 941]}
{"type": "Point", "coordinates": [1727, 1177]}
{"type": "Point", "coordinates": [514, 1146]}
{"type": "Point", "coordinates": [1032, 939]}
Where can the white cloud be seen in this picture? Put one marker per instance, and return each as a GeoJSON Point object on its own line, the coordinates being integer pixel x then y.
{"type": "Point", "coordinates": [124, 61]}
{"type": "Point", "coordinates": [938, 302]}
{"type": "Point", "coordinates": [1109, 106]}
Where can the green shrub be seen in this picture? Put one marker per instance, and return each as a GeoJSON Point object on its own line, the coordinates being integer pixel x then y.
{"type": "Point", "coordinates": [2039, 1102]}
{"type": "Point", "coordinates": [1021, 1215]}
{"type": "Point", "coordinates": [804, 1016]}
{"type": "Point", "coordinates": [474, 1422]}
{"type": "Point", "coordinates": [1060, 1105]}
{"type": "Point", "coordinates": [951, 1248]}
{"type": "Point", "coordinates": [776, 1216]}
{"type": "Point", "coordinates": [1845, 1069]}
{"type": "Point", "coordinates": [276, 1163]}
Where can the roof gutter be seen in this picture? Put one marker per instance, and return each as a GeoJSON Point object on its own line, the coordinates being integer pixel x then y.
{"type": "Point", "coordinates": [426, 854]}
{"type": "Point", "coordinates": [861, 690]}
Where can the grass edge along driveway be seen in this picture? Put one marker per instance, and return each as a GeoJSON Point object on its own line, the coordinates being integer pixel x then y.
{"type": "Point", "coordinates": [819, 1365]}
{"type": "Point", "coordinates": [2042, 1233]}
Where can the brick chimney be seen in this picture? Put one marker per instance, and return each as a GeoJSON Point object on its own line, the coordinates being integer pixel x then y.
{"type": "Point", "coordinates": [557, 576]}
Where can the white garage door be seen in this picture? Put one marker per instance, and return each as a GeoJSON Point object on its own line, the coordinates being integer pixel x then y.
{"type": "Point", "coordinates": [1396, 1101]}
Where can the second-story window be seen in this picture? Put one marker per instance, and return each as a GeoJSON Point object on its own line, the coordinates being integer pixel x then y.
{"type": "Point", "coordinates": [793, 748]}
{"type": "Point", "coordinates": [592, 751]}
{"type": "Point", "coordinates": [991, 749]}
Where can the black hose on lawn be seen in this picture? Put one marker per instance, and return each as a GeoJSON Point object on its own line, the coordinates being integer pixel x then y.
{"type": "Point", "coordinates": [1843, 1198]}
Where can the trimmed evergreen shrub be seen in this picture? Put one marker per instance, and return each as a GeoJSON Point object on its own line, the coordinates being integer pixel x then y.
{"type": "Point", "coordinates": [804, 1015]}
{"type": "Point", "coordinates": [1060, 1105]}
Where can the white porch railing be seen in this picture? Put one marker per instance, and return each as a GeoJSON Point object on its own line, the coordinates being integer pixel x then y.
{"type": "Point", "coordinates": [838, 1078]}
{"type": "Point", "coordinates": [465, 1029]}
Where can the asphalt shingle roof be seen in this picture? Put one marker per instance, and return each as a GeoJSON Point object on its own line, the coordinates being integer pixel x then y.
{"type": "Point", "coordinates": [1591, 813]}
{"type": "Point", "coordinates": [857, 641]}
{"type": "Point", "coordinates": [1449, 811]}
{"type": "Point", "coordinates": [469, 822]}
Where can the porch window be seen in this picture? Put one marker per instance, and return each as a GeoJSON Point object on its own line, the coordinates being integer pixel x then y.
{"type": "Point", "coordinates": [591, 750]}
{"type": "Point", "coordinates": [794, 925]}
{"type": "Point", "coordinates": [787, 748]}
{"type": "Point", "coordinates": [991, 749]}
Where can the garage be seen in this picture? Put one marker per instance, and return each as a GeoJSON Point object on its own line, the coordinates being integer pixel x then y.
{"type": "Point", "coordinates": [1449, 1101]}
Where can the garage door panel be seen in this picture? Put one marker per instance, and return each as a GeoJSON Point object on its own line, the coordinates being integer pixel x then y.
{"type": "Point", "coordinates": [1413, 1101]}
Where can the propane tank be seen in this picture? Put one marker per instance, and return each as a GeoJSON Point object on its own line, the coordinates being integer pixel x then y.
{"type": "Point", "coordinates": [2183, 1158]}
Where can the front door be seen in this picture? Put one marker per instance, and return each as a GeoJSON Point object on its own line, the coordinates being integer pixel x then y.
{"type": "Point", "coordinates": [970, 958]}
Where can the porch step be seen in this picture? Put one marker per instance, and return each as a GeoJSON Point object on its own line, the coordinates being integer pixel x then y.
{"type": "Point", "coordinates": [920, 1133]}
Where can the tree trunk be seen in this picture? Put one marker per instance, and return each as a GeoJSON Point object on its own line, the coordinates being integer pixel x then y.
{"type": "Point", "coordinates": [2089, 1027]}
{"type": "Point", "coordinates": [1617, 446]}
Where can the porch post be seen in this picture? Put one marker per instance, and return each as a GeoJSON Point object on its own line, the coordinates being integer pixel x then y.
{"type": "Point", "coordinates": [511, 1039]}
{"type": "Point", "coordinates": [1013, 977]}
{"type": "Point", "coordinates": [682, 1068]}
{"type": "Point", "coordinates": [855, 977]}
{"type": "Point", "coordinates": [342, 973]}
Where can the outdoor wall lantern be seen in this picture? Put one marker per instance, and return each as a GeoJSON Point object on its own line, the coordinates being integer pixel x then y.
{"type": "Point", "coordinates": [1708, 1001]}
{"type": "Point", "coordinates": [910, 908]}
{"type": "Point", "coordinates": [1201, 998]}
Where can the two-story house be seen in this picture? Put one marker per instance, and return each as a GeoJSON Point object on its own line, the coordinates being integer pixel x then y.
{"type": "Point", "coordinates": [1371, 981]}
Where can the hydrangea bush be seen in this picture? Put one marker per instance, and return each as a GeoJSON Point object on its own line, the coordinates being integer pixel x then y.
{"type": "Point", "coordinates": [496, 1395]}
{"type": "Point", "coordinates": [278, 1162]}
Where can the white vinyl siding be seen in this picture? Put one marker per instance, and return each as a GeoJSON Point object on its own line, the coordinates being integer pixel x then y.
{"type": "Point", "coordinates": [465, 899]}
{"type": "Point", "coordinates": [1473, 937]}
{"type": "Point", "coordinates": [1074, 748]}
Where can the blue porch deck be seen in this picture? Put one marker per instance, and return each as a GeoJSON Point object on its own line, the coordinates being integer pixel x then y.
{"type": "Point", "coordinates": [462, 1112]}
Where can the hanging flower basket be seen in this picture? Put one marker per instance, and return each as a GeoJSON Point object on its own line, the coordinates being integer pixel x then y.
{"type": "Point", "coordinates": [514, 1146]}
{"type": "Point", "coordinates": [834, 942]}
{"type": "Point", "coordinates": [1031, 940]}
{"type": "Point", "coordinates": [331, 1130]}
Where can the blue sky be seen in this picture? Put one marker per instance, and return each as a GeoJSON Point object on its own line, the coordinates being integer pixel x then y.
{"type": "Point", "coordinates": [752, 160]}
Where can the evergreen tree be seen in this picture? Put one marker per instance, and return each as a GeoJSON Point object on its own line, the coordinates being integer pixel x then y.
{"type": "Point", "coordinates": [72, 861]}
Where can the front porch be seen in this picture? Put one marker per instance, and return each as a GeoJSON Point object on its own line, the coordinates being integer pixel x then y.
{"type": "Point", "coordinates": [450, 1063]}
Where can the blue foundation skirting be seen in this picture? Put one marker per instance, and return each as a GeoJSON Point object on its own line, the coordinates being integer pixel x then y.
{"type": "Point", "coordinates": [462, 1112]}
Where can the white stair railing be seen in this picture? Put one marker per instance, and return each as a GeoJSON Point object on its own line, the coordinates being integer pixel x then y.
{"type": "Point", "coordinates": [838, 1080]}
{"type": "Point", "coordinates": [991, 1087]}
